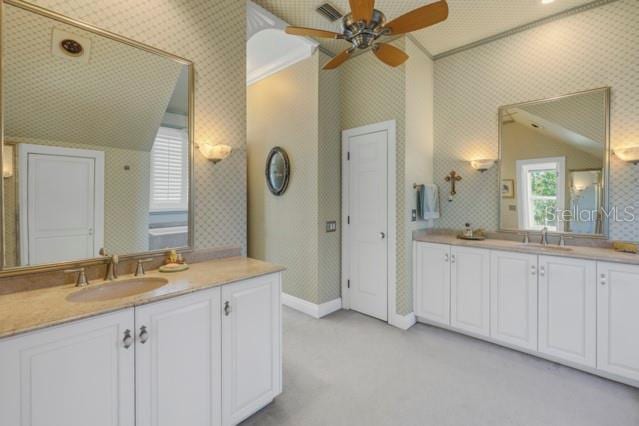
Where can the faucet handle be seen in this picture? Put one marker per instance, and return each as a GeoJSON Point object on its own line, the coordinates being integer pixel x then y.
{"type": "Point", "coordinates": [81, 280]}
{"type": "Point", "coordinates": [139, 270]}
{"type": "Point", "coordinates": [526, 237]}
{"type": "Point", "coordinates": [562, 240]}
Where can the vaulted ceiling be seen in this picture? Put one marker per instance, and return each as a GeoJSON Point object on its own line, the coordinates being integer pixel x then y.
{"type": "Point", "coordinates": [469, 20]}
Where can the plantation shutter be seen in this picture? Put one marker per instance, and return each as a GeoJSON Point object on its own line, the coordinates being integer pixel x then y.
{"type": "Point", "coordinates": [169, 174]}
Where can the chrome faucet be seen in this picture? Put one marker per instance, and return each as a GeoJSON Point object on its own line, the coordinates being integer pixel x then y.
{"type": "Point", "coordinates": [544, 236]}
{"type": "Point", "coordinates": [112, 266]}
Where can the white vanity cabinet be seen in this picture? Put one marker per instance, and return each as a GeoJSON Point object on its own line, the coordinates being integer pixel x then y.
{"type": "Point", "coordinates": [513, 289]}
{"type": "Point", "coordinates": [208, 358]}
{"type": "Point", "coordinates": [431, 271]}
{"type": "Point", "coordinates": [76, 374]}
{"type": "Point", "coordinates": [618, 319]}
{"type": "Point", "coordinates": [178, 361]}
{"type": "Point", "coordinates": [568, 309]}
{"type": "Point", "coordinates": [251, 347]}
{"type": "Point", "coordinates": [470, 290]}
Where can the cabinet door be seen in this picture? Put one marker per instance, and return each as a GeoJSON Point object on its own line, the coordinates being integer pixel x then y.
{"type": "Point", "coordinates": [76, 374]}
{"type": "Point", "coordinates": [178, 361]}
{"type": "Point", "coordinates": [513, 293]}
{"type": "Point", "coordinates": [618, 319]}
{"type": "Point", "coordinates": [470, 289]}
{"type": "Point", "coordinates": [251, 346]}
{"type": "Point", "coordinates": [568, 309]}
{"type": "Point", "coordinates": [431, 283]}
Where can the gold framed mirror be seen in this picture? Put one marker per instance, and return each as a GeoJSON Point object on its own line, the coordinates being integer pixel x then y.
{"type": "Point", "coordinates": [97, 143]}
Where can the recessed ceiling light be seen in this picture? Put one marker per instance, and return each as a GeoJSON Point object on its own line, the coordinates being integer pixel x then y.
{"type": "Point", "coordinates": [547, 1]}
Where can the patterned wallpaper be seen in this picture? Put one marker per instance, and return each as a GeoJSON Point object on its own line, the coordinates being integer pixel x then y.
{"type": "Point", "coordinates": [373, 92]}
{"type": "Point", "coordinates": [592, 49]}
{"type": "Point", "coordinates": [210, 34]}
{"type": "Point", "coordinates": [117, 98]}
{"type": "Point", "coordinates": [298, 109]}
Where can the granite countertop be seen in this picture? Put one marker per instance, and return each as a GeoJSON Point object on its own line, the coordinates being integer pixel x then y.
{"type": "Point", "coordinates": [31, 310]}
{"type": "Point", "coordinates": [577, 252]}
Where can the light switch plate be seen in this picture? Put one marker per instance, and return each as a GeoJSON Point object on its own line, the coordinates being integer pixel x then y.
{"type": "Point", "coordinates": [331, 226]}
{"type": "Point", "coordinates": [413, 216]}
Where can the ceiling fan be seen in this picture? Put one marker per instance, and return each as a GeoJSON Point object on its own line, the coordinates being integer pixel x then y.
{"type": "Point", "coordinates": [365, 25]}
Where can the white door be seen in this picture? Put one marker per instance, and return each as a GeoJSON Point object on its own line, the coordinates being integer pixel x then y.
{"type": "Point", "coordinates": [251, 347]}
{"type": "Point", "coordinates": [513, 294]}
{"type": "Point", "coordinates": [432, 282]}
{"type": "Point", "coordinates": [568, 309]}
{"type": "Point", "coordinates": [61, 204]}
{"type": "Point", "coordinates": [367, 176]}
{"type": "Point", "coordinates": [178, 361]}
{"type": "Point", "coordinates": [470, 289]}
{"type": "Point", "coordinates": [618, 319]}
{"type": "Point", "coordinates": [76, 374]}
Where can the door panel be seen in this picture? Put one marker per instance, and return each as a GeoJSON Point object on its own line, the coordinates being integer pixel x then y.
{"type": "Point", "coordinates": [251, 347]}
{"type": "Point", "coordinates": [513, 293]}
{"type": "Point", "coordinates": [51, 377]}
{"type": "Point", "coordinates": [470, 289]}
{"type": "Point", "coordinates": [618, 319]}
{"type": "Point", "coordinates": [178, 369]}
{"type": "Point", "coordinates": [368, 251]}
{"type": "Point", "coordinates": [568, 309]}
{"type": "Point", "coordinates": [432, 282]}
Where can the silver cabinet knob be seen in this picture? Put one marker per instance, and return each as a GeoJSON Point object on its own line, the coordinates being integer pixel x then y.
{"type": "Point", "coordinates": [382, 235]}
{"type": "Point", "coordinates": [603, 279]}
{"type": "Point", "coordinates": [446, 257]}
{"type": "Point", "coordinates": [453, 259]}
{"type": "Point", "coordinates": [542, 271]}
{"type": "Point", "coordinates": [127, 341]}
{"type": "Point", "coordinates": [144, 334]}
{"type": "Point", "coordinates": [533, 270]}
{"type": "Point", "coordinates": [227, 308]}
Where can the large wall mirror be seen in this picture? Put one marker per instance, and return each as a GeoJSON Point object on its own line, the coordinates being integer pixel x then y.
{"type": "Point", "coordinates": [554, 157]}
{"type": "Point", "coordinates": [97, 142]}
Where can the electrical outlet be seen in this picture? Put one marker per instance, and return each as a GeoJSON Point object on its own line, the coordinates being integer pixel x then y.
{"type": "Point", "coordinates": [331, 226]}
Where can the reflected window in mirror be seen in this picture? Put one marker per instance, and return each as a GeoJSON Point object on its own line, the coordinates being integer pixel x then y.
{"type": "Point", "coordinates": [100, 142]}
{"type": "Point", "coordinates": [554, 162]}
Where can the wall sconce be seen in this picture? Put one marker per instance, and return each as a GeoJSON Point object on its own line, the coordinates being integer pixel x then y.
{"type": "Point", "coordinates": [629, 154]}
{"type": "Point", "coordinates": [7, 161]}
{"type": "Point", "coordinates": [215, 153]}
{"type": "Point", "coordinates": [482, 165]}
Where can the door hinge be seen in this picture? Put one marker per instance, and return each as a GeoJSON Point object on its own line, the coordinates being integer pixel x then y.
{"type": "Point", "coordinates": [348, 156]}
{"type": "Point", "coordinates": [348, 283]}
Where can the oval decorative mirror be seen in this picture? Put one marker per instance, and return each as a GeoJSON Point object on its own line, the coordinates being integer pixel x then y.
{"type": "Point", "coordinates": [278, 171]}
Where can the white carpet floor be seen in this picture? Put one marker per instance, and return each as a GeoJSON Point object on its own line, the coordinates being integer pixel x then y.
{"type": "Point", "coordinates": [349, 369]}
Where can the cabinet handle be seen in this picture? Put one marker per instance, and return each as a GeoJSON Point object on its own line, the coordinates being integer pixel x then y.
{"type": "Point", "coordinates": [452, 259]}
{"type": "Point", "coordinates": [542, 271]}
{"type": "Point", "coordinates": [446, 257]}
{"type": "Point", "coordinates": [144, 334]}
{"type": "Point", "coordinates": [603, 279]}
{"type": "Point", "coordinates": [227, 308]}
{"type": "Point", "coordinates": [533, 270]}
{"type": "Point", "coordinates": [128, 339]}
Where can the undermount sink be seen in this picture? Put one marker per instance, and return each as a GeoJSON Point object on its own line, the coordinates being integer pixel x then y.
{"type": "Point", "coordinates": [543, 247]}
{"type": "Point", "coordinates": [117, 289]}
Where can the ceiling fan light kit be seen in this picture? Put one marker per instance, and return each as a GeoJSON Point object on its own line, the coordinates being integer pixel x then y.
{"type": "Point", "coordinates": [365, 25]}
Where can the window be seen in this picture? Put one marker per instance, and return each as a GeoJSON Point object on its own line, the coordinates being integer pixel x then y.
{"type": "Point", "coordinates": [169, 171]}
{"type": "Point", "coordinates": [541, 186]}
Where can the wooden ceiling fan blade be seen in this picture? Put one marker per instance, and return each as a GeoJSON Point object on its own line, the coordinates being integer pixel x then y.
{"type": "Point", "coordinates": [311, 32]}
{"type": "Point", "coordinates": [390, 55]}
{"type": "Point", "coordinates": [338, 60]}
{"type": "Point", "coordinates": [362, 10]}
{"type": "Point", "coordinates": [417, 19]}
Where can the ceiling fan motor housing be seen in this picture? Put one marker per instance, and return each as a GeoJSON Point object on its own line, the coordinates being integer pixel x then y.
{"type": "Point", "coordinates": [363, 34]}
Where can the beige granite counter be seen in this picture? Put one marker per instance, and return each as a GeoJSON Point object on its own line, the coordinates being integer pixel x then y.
{"type": "Point", "coordinates": [577, 252]}
{"type": "Point", "coordinates": [31, 310]}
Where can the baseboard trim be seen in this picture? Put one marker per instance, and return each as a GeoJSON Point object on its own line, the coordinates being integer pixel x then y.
{"type": "Point", "coordinates": [404, 321]}
{"type": "Point", "coordinates": [312, 309]}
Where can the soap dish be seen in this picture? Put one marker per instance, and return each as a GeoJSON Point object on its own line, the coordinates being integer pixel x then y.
{"type": "Point", "coordinates": [473, 238]}
{"type": "Point", "coordinates": [174, 267]}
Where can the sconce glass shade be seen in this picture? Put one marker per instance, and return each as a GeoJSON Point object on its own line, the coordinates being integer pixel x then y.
{"type": "Point", "coordinates": [629, 154]}
{"type": "Point", "coordinates": [215, 153]}
{"type": "Point", "coordinates": [7, 161]}
{"type": "Point", "coordinates": [482, 165]}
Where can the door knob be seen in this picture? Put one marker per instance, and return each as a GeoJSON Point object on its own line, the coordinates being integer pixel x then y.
{"type": "Point", "coordinates": [382, 235]}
